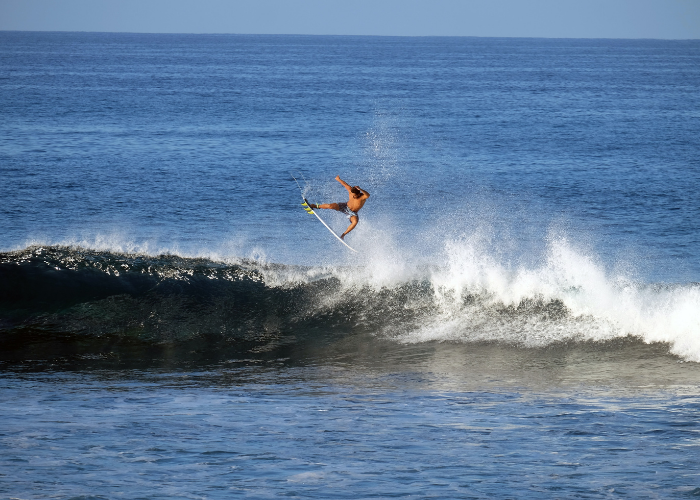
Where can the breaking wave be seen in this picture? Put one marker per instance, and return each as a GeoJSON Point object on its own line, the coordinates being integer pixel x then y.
{"type": "Point", "coordinates": [54, 297]}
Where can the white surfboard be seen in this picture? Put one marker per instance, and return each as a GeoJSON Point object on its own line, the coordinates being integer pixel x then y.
{"type": "Point", "coordinates": [310, 210]}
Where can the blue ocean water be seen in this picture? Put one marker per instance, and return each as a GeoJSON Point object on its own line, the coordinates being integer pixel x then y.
{"type": "Point", "coordinates": [522, 319]}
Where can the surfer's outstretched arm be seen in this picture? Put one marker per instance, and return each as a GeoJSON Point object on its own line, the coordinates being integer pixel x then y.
{"type": "Point", "coordinates": [345, 184]}
{"type": "Point", "coordinates": [355, 191]}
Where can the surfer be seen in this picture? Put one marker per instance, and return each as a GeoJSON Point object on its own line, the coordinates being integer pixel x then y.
{"type": "Point", "coordinates": [356, 200]}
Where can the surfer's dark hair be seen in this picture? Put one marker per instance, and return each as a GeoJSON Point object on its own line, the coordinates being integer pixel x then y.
{"type": "Point", "coordinates": [356, 190]}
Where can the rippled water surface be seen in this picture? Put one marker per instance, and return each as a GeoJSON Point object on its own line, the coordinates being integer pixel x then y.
{"type": "Point", "coordinates": [316, 433]}
{"type": "Point", "coordinates": [521, 320]}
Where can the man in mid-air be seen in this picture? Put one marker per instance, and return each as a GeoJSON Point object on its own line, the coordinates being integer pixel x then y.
{"type": "Point", "coordinates": [356, 200]}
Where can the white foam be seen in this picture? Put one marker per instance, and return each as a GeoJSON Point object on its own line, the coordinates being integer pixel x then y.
{"type": "Point", "coordinates": [599, 306]}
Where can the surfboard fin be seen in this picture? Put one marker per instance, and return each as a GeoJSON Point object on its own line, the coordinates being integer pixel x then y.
{"type": "Point", "coordinates": [307, 206]}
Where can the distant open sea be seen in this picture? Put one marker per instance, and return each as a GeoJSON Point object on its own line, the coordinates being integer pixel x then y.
{"type": "Point", "coordinates": [521, 320]}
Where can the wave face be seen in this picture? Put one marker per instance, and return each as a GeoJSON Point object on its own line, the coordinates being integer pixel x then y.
{"type": "Point", "coordinates": [72, 300]}
{"type": "Point", "coordinates": [63, 300]}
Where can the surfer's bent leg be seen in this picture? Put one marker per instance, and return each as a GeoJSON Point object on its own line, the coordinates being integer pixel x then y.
{"type": "Point", "coordinates": [353, 222]}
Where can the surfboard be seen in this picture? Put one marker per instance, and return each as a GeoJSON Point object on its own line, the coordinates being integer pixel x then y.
{"type": "Point", "coordinates": [309, 210]}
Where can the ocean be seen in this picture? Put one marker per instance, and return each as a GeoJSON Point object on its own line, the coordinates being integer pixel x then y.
{"type": "Point", "coordinates": [521, 320]}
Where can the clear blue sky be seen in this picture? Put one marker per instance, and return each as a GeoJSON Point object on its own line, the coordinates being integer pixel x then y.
{"type": "Point", "coordinates": [508, 18]}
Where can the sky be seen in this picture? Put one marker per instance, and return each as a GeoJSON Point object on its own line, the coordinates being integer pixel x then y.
{"type": "Point", "coordinates": [666, 19]}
